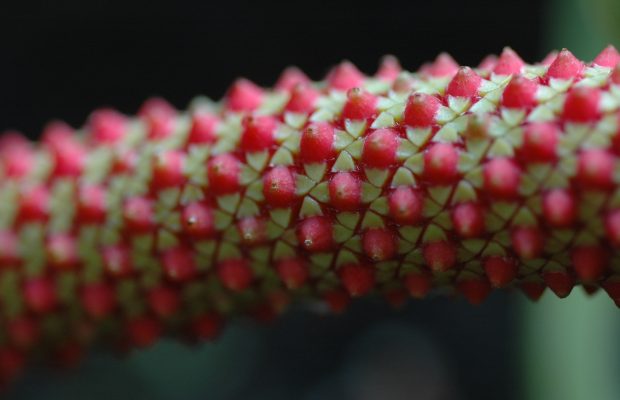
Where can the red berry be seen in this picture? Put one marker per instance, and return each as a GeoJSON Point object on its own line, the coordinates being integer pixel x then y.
{"type": "Point", "coordinates": [421, 110]}
{"type": "Point", "coordinates": [107, 126]}
{"type": "Point", "coordinates": [258, 133]}
{"type": "Point", "coordinates": [500, 271]}
{"type": "Point", "coordinates": [317, 142]}
{"type": "Point", "coordinates": [565, 66]}
{"type": "Point", "coordinates": [244, 95]}
{"type": "Point", "coordinates": [168, 169]}
{"type": "Point", "coordinates": [360, 105]}
{"type": "Point", "coordinates": [406, 205]}
{"type": "Point", "coordinates": [595, 169]}
{"type": "Point", "coordinates": [380, 148]}
{"type": "Point", "coordinates": [92, 205]}
{"type": "Point", "coordinates": [139, 214]}
{"type": "Point", "coordinates": [143, 331]}
{"type": "Point", "coordinates": [532, 289]}
{"type": "Point", "coordinates": [159, 116]}
{"type": "Point", "coordinates": [223, 173]}
{"type": "Point", "coordinates": [34, 204]}
{"type": "Point", "coordinates": [40, 295]}
{"type": "Point", "coordinates": [302, 99]}
{"type": "Point", "coordinates": [612, 227]}
{"type": "Point", "coordinates": [62, 251]}
{"type": "Point", "coordinates": [252, 230]}
{"type": "Point", "coordinates": [487, 64]}
{"type": "Point", "coordinates": [559, 208]}
{"type": "Point", "coordinates": [502, 178]}
{"type": "Point", "coordinates": [559, 281]}
{"type": "Point", "coordinates": [235, 275]}
{"type": "Point", "coordinates": [609, 57]}
{"type": "Point", "coordinates": [12, 362]}
{"type": "Point", "coordinates": [197, 220]}
{"type": "Point", "coordinates": [582, 105]}
{"type": "Point", "coordinates": [441, 164]}
{"type": "Point", "coordinates": [290, 78]}
{"type": "Point", "coordinates": [443, 66]}
{"type": "Point", "coordinates": [9, 249]}
{"type": "Point", "coordinates": [508, 63]}
{"type": "Point", "coordinates": [389, 69]}
{"type": "Point", "coordinates": [98, 299]}
{"type": "Point", "coordinates": [207, 326]}
{"type": "Point", "coordinates": [337, 300]}
{"type": "Point", "coordinates": [357, 279]}
{"type": "Point", "coordinates": [379, 244]}
{"type": "Point", "coordinates": [23, 331]}
{"type": "Point", "coordinates": [474, 289]}
{"type": "Point", "coordinates": [117, 260]}
{"type": "Point", "coordinates": [203, 129]}
{"type": "Point", "coordinates": [293, 272]}
{"type": "Point", "coordinates": [345, 191]}
{"type": "Point", "coordinates": [468, 220]}
{"type": "Point", "coordinates": [279, 187]}
{"type": "Point", "coordinates": [527, 242]}
{"type": "Point", "coordinates": [440, 256]}
{"type": "Point", "coordinates": [178, 264]}
{"type": "Point", "coordinates": [589, 262]}
{"type": "Point", "coordinates": [464, 84]}
{"type": "Point", "coordinates": [164, 301]}
{"type": "Point", "coordinates": [418, 284]}
{"type": "Point", "coordinates": [315, 234]}
{"type": "Point", "coordinates": [540, 141]}
{"type": "Point", "coordinates": [345, 76]}
{"type": "Point", "coordinates": [520, 93]}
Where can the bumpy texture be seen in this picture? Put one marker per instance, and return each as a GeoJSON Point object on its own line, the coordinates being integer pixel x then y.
{"type": "Point", "coordinates": [450, 179]}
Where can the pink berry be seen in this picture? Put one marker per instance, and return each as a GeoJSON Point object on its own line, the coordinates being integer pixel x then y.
{"type": "Point", "coordinates": [279, 187]}
{"type": "Point", "coordinates": [34, 204]}
{"type": "Point", "coordinates": [178, 264]}
{"type": "Point", "coordinates": [9, 249]}
{"type": "Point", "coordinates": [252, 230]}
{"type": "Point", "coordinates": [540, 141]}
{"type": "Point", "coordinates": [421, 110]}
{"type": "Point", "coordinates": [440, 256]}
{"type": "Point", "coordinates": [236, 274]}
{"type": "Point", "coordinates": [595, 169]}
{"type": "Point", "coordinates": [464, 84]}
{"type": "Point", "coordinates": [345, 76]}
{"type": "Point", "coordinates": [168, 169]}
{"type": "Point", "coordinates": [107, 126]}
{"type": "Point", "coordinates": [223, 173]}
{"type": "Point", "coordinates": [360, 105]}
{"type": "Point", "coordinates": [197, 220]}
{"type": "Point", "coordinates": [345, 191]}
{"type": "Point", "coordinates": [565, 66]}
{"type": "Point", "coordinates": [302, 99]}
{"type": "Point", "coordinates": [468, 220]}
{"type": "Point", "coordinates": [317, 142]}
{"type": "Point", "coordinates": [258, 133]}
{"type": "Point", "coordinates": [502, 178]}
{"type": "Point", "coordinates": [139, 214]}
{"type": "Point", "coordinates": [609, 57]}
{"type": "Point", "coordinates": [117, 260]}
{"type": "Point", "coordinates": [520, 93]}
{"type": "Point", "coordinates": [40, 295]}
{"type": "Point", "coordinates": [290, 78]}
{"type": "Point", "coordinates": [92, 204]}
{"type": "Point", "coordinates": [379, 244]}
{"type": "Point", "coordinates": [244, 95]}
{"type": "Point", "coordinates": [315, 234]}
{"type": "Point", "coordinates": [389, 69]}
{"type": "Point", "coordinates": [443, 66]}
{"type": "Point", "coordinates": [380, 148]}
{"type": "Point", "coordinates": [62, 251]}
{"type": "Point", "coordinates": [508, 63]}
{"type": "Point", "coordinates": [582, 105]}
{"type": "Point", "coordinates": [203, 129]}
{"type": "Point", "coordinates": [406, 205]}
{"type": "Point", "coordinates": [159, 116]}
{"type": "Point", "coordinates": [559, 209]}
{"type": "Point", "coordinates": [527, 242]}
{"type": "Point", "coordinates": [441, 164]}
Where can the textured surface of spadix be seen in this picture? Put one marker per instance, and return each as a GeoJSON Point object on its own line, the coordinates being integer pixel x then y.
{"type": "Point", "coordinates": [448, 179]}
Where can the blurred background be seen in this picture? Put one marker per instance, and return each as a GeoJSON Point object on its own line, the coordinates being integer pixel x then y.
{"type": "Point", "coordinates": [62, 59]}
